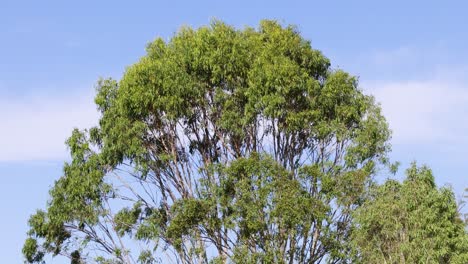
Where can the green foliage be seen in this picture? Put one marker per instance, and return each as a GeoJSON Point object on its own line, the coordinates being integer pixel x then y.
{"type": "Point", "coordinates": [410, 222]}
{"type": "Point", "coordinates": [244, 142]}
{"type": "Point", "coordinates": [187, 215]}
{"type": "Point", "coordinates": [125, 219]}
{"type": "Point", "coordinates": [146, 257]}
{"type": "Point", "coordinates": [31, 252]}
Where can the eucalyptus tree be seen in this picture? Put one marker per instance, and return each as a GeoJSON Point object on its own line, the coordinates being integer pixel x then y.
{"type": "Point", "coordinates": [410, 222]}
{"type": "Point", "coordinates": [219, 145]}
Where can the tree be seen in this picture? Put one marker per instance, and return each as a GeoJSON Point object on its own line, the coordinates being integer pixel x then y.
{"type": "Point", "coordinates": [410, 222]}
{"type": "Point", "coordinates": [220, 145]}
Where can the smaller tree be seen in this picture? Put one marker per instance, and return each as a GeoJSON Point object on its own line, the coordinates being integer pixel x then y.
{"type": "Point", "coordinates": [410, 222]}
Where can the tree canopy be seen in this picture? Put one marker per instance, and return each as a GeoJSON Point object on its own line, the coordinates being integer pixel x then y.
{"type": "Point", "coordinates": [219, 145]}
{"type": "Point", "coordinates": [410, 222]}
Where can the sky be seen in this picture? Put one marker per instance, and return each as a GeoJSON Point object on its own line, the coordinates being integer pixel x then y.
{"type": "Point", "coordinates": [411, 55]}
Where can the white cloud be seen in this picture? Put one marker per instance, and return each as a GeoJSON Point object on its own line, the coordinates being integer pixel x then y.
{"type": "Point", "coordinates": [429, 120]}
{"type": "Point", "coordinates": [431, 111]}
{"type": "Point", "coordinates": [35, 128]}
{"type": "Point", "coordinates": [423, 92]}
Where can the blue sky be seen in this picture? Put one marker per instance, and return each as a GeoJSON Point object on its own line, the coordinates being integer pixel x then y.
{"type": "Point", "coordinates": [411, 55]}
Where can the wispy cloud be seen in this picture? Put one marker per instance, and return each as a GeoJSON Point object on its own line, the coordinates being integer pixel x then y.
{"type": "Point", "coordinates": [423, 92]}
{"type": "Point", "coordinates": [393, 56]}
{"type": "Point", "coordinates": [36, 128]}
{"type": "Point", "coordinates": [432, 111]}
{"type": "Point", "coordinates": [407, 62]}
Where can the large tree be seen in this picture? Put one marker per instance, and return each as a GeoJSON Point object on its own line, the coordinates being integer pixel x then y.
{"type": "Point", "coordinates": [410, 222]}
{"type": "Point", "coordinates": [219, 145]}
